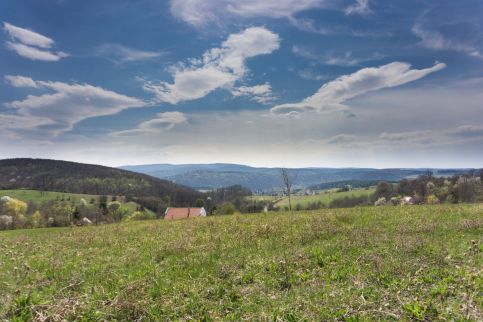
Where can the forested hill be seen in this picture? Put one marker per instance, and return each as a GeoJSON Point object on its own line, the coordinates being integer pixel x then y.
{"type": "Point", "coordinates": [213, 176]}
{"type": "Point", "coordinates": [63, 176]}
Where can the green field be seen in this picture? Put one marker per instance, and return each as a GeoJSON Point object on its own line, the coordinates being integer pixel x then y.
{"type": "Point", "coordinates": [42, 196]}
{"type": "Point", "coordinates": [325, 197]}
{"type": "Point", "coordinates": [38, 196]}
{"type": "Point", "coordinates": [370, 263]}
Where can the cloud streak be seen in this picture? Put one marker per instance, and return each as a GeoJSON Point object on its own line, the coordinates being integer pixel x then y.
{"type": "Point", "coordinates": [163, 122]}
{"type": "Point", "coordinates": [343, 59]}
{"type": "Point", "coordinates": [360, 7]}
{"type": "Point", "coordinates": [331, 96]}
{"type": "Point", "coordinates": [435, 40]}
{"type": "Point", "coordinates": [30, 44]}
{"type": "Point", "coordinates": [120, 54]}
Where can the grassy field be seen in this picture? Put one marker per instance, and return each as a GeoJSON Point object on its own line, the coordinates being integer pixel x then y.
{"type": "Point", "coordinates": [371, 263]}
{"type": "Point", "coordinates": [42, 196]}
{"type": "Point", "coordinates": [325, 197]}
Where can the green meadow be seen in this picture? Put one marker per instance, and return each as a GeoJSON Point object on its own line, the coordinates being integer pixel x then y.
{"type": "Point", "coordinates": [325, 197]}
{"type": "Point", "coordinates": [369, 263]}
{"type": "Point", "coordinates": [43, 196]}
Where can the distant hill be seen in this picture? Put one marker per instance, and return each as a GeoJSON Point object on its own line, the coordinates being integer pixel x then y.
{"type": "Point", "coordinates": [71, 177]}
{"type": "Point", "coordinates": [212, 176]}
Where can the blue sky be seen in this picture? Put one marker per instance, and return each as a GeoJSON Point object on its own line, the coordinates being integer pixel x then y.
{"type": "Point", "coordinates": [360, 83]}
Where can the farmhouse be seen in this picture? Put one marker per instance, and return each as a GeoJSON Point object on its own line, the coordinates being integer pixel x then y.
{"type": "Point", "coordinates": [179, 213]}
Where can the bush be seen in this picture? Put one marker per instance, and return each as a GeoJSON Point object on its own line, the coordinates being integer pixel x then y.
{"type": "Point", "coordinates": [36, 219]}
{"type": "Point", "coordinates": [432, 200]}
{"type": "Point", "coordinates": [140, 215]}
{"type": "Point", "coordinates": [227, 209]}
{"type": "Point", "coordinates": [6, 222]}
{"type": "Point", "coordinates": [348, 202]}
{"type": "Point", "coordinates": [380, 202]}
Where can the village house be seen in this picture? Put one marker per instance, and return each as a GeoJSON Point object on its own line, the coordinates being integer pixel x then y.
{"type": "Point", "coordinates": [179, 213]}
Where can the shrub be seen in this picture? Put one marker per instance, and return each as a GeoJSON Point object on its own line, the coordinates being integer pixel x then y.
{"type": "Point", "coordinates": [36, 219]}
{"type": "Point", "coordinates": [432, 200]}
{"type": "Point", "coordinates": [227, 209]}
{"type": "Point", "coordinates": [380, 202]}
{"type": "Point", "coordinates": [140, 215]}
{"type": "Point", "coordinates": [6, 222]}
{"type": "Point", "coordinates": [113, 206]}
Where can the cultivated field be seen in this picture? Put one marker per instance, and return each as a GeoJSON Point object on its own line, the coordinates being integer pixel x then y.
{"type": "Point", "coordinates": [377, 263]}
{"type": "Point", "coordinates": [325, 197]}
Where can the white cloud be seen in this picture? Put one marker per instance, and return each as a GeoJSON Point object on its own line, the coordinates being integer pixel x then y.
{"type": "Point", "coordinates": [20, 81]}
{"type": "Point", "coordinates": [360, 7]}
{"type": "Point", "coordinates": [200, 12]}
{"type": "Point", "coordinates": [35, 53]}
{"type": "Point", "coordinates": [343, 59]}
{"type": "Point", "coordinates": [31, 45]}
{"type": "Point", "coordinates": [433, 39]}
{"type": "Point", "coordinates": [308, 73]}
{"type": "Point", "coordinates": [163, 122]}
{"type": "Point", "coordinates": [27, 37]}
{"type": "Point", "coordinates": [51, 114]}
{"type": "Point", "coordinates": [259, 93]}
{"type": "Point", "coordinates": [332, 95]}
{"type": "Point", "coordinates": [220, 67]}
{"type": "Point", "coordinates": [121, 54]}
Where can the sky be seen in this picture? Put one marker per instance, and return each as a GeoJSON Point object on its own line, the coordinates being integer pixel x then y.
{"type": "Point", "coordinates": [293, 83]}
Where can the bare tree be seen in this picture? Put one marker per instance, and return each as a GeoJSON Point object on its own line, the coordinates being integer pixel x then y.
{"type": "Point", "coordinates": [288, 180]}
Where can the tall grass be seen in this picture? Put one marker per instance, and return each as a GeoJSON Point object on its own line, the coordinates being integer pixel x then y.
{"type": "Point", "coordinates": [384, 263]}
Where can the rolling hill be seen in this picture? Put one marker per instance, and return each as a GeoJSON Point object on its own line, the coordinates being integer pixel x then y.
{"type": "Point", "coordinates": [212, 176]}
{"type": "Point", "coordinates": [71, 177]}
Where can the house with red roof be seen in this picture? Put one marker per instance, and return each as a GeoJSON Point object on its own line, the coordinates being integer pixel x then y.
{"type": "Point", "coordinates": [180, 213]}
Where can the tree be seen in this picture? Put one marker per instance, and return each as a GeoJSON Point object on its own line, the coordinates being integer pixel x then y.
{"type": "Point", "coordinates": [199, 203]}
{"type": "Point", "coordinates": [288, 180]}
{"type": "Point", "coordinates": [384, 189]}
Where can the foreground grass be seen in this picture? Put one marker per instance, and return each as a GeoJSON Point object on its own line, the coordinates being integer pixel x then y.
{"type": "Point", "coordinates": [388, 263]}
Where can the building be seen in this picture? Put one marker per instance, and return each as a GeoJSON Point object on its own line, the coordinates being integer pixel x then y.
{"type": "Point", "coordinates": [180, 213]}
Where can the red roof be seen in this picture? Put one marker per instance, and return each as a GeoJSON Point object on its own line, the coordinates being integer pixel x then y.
{"type": "Point", "coordinates": [178, 213]}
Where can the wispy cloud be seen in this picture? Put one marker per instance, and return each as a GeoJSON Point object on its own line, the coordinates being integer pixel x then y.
{"type": "Point", "coordinates": [311, 74]}
{"type": "Point", "coordinates": [453, 135]}
{"type": "Point", "coordinates": [57, 111]}
{"type": "Point", "coordinates": [360, 7]}
{"type": "Point", "coordinates": [30, 44]}
{"type": "Point", "coordinates": [201, 12]}
{"type": "Point", "coordinates": [259, 93]}
{"type": "Point", "coordinates": [433, 39]}
{"type": "Point", "coordinates": [342, 139]}
{"type": "Point", "coordinates": [332, 95]}
{"type": "Point", "coordinates": [120, 54]}
{"type": "Point", "coordinates": [332, 59]}
{"type": "Point", "coordinates": [163, 122]}
{"type": "Point", "coordinates": [415, 139]}
{"type": "Point", "coordinates": [311, 26]}
{"type": "Point", "coordinates": [219, 67]}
